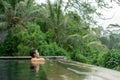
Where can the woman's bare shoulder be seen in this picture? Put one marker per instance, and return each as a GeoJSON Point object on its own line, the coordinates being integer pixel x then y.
{"type": "Point", "coordinates": [38, 60]}
{"type": "Point", "coordinates": [42, 59]}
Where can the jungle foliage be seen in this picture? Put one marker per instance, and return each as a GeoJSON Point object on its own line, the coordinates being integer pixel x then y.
{"type": "Point", "coordinates": [55, 29]}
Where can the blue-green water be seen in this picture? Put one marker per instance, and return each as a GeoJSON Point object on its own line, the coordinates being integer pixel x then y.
{"type": "Point", "coordinates": [51, 70]}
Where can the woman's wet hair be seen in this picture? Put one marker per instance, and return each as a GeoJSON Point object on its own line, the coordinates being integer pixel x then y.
{"type": "Point", "coordinates": [32, 52]}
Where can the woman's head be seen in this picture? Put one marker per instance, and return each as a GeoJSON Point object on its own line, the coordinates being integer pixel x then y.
{"type": "Point", "coordinates": [34, 53]}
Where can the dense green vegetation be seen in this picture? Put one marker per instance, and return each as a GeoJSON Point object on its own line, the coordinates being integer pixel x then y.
{"type": "Point", "coordinates": [55, 29]}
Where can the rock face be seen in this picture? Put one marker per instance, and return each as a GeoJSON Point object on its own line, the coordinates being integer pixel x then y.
{"type": "Point", "coordinates": [3, 36]}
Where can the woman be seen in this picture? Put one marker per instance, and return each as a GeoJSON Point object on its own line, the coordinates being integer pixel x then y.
{"type": "Point", "coordinates": [35, 57]}
{"type": "Point", "coordinates": [35, 60]}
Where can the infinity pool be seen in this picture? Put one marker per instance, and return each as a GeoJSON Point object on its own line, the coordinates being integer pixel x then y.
{"type": "Point", "coordinates": [51, 70]}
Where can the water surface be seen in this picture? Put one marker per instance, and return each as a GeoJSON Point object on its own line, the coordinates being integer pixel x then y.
{"type": "Point", "coordinates": [51, 70]}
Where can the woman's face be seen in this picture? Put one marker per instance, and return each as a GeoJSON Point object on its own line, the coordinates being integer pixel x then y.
{"type": "Point", "coordinates": [36, 53]}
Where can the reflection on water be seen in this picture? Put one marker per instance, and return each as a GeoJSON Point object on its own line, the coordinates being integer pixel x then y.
{"type": "Point", "coordinates": [83, 71]}
{"type": "Point", "coordinates": [20, 70]}
{"type": "Point", "coordinates": [51, 70]}
{"type": "Point", "coordinates": [89, 76]}
{"type": "Point", "coordinates": [37, 73]}
{"type": "Point", "coordinates": [55, 71]}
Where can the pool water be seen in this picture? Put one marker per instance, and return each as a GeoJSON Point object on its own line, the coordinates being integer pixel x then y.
{"type": "Point", "coordinates": [21, 70]}
{"type": "Point", "coordinates": [51, 70]}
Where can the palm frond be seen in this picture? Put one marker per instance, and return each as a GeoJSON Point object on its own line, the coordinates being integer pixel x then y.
{"type": "Point", "coordinates": [51, 10]}
{"type": "Point", "coordinates": [113, 26]}
{"type": "Point", "coordinates": [95, 43]}
{"type": "Point", "coordinates": [8, 10]}
{"type": "Point", "coordinates": [73, 36]}
{"type": "Point", "coordinates": [59, 3]}
{"type": "Point", "coordinates": [90, 34]}
{"type": "Point", "coordinates": [6, 4]}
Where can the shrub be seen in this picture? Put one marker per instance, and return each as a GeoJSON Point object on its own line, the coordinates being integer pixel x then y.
{"type": "Point", "coordinates": [53, 49]}
{"type": "Point", "coordinates": [117, 68]}
{"type": "Point", "coordinates": [21, 40]}
{"type": "Point", "coordinates": [79, 57]}
{"type": "Point", "coordinates": [112, 59]}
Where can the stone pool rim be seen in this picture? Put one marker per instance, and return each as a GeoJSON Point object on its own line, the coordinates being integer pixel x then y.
{"type": "Point", "coordinates": [28, 57]}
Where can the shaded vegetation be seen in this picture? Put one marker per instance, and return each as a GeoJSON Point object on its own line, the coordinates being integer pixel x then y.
{"type": "Point", "coordinates": [55, 31]}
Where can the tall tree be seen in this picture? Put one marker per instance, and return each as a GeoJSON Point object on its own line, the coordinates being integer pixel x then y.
{"type": "Point", "coordinates": [56, 20]}
{"type": "Point", "coordinates": [19, 13]}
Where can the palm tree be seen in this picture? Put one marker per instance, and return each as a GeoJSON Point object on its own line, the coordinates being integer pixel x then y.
{"type": "Point", "coordinates": [56, 20]}
{"type": "Point", "coordinates": [22, 13]}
